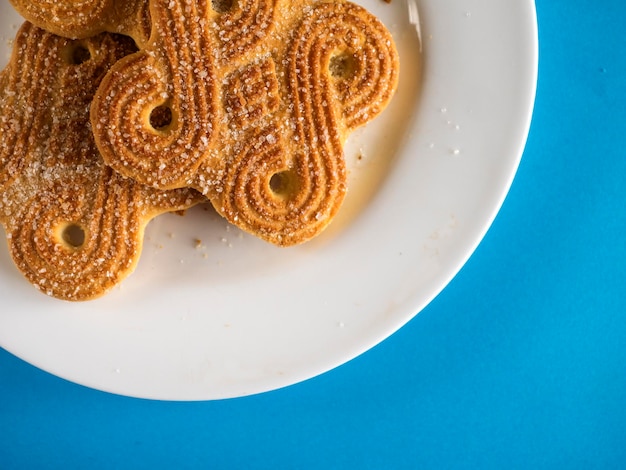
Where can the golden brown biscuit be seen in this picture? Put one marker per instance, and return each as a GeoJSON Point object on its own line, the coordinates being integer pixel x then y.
{"type": "Point", "coordinates": [79, 19]}
{"type": "Point", "coordinates": [74, 227]}
{"type": "Point", "coordinates": [250, 104]}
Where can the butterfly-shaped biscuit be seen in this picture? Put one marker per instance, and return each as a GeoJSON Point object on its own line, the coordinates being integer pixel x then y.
{"type": "Point", "coordinates": [74, 226]}
{"type": "Point", "coordinates": [250, 103]}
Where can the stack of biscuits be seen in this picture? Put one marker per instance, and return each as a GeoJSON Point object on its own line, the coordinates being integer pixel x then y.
{"type": "Point", "coordinates": [115, 111]}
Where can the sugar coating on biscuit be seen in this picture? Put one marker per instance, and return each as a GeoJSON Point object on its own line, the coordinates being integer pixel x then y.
{"type": "Point", "coordinates": [261, 94]}
{"type": "Point", "coordinates": [74, 226]}
{"type": "Point", "coordinates": [80, 19]}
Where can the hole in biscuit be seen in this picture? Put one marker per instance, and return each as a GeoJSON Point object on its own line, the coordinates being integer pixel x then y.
{"type": "Point", "coordinates": [161, 117]}
{"type": "Point", "coordinates": [222, 6]}
{"type": "Point", "coordinates": [278, 183]}
{"type": "Point", "coordinates": [342, 65]}
{"type": "Point", "coordinates": [73, 235]}
{"type": "Point", "coordinates": [284, 183]}
{"type": "Point", "coordinates": [77, 54]}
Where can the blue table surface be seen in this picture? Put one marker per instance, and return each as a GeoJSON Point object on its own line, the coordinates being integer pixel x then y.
{"type": "Point", "coordinates": [519, 363]}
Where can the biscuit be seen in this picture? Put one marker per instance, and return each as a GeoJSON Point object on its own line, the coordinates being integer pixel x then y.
{"type": "Point", "coordinates": [250, 103]}
{"type": "Point", "coordinates": [74, 227]}
{"type": "Point", "coordinates": [85, 18]}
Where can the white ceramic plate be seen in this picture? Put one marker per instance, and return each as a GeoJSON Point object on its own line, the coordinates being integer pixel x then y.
{"type": "Point", "coordinates": [236, 316]}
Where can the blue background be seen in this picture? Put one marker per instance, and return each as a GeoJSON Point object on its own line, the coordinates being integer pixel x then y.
{"type": "Point", "coordinates": [519, 363]}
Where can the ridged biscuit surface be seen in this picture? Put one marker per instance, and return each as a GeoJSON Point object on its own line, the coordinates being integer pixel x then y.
{"type": "Point", "coordinates": [74, 227]}
{"type": "Point", "coordinates": [250, 103]}
{"type": "Point", "coordinates": [79, 19]}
